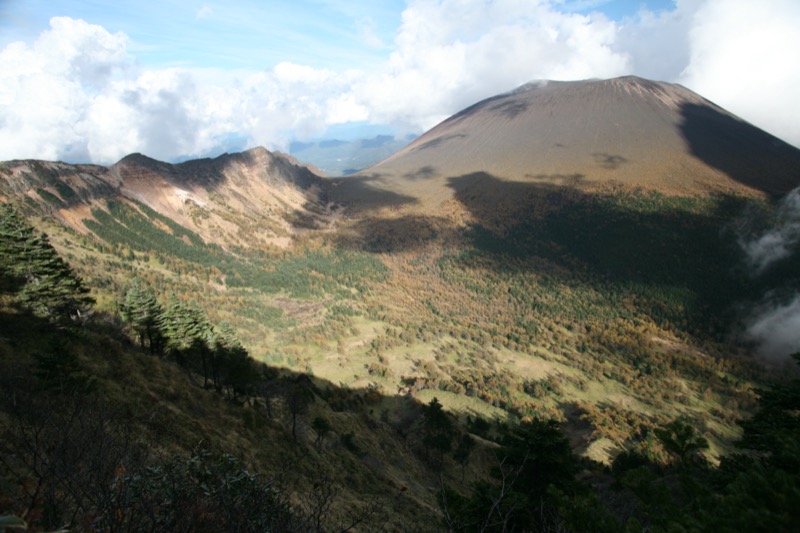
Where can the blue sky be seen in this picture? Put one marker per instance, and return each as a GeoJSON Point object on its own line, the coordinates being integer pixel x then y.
{"type": "Point", "coordinates": [337, 34]}
{"type": "Point", "coordinates": [93, 81]}
{"type": "Point", "coordinates": [240, 34]}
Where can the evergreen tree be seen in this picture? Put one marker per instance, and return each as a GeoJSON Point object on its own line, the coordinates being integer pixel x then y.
{"type": "Point", "coordinates": [463, 452]}
{"type": "Point", "coordinates": [143, 312]}
{"type": "Point", "coordinates": [231, 365]}
{"type": "Point", "coordinates": [189, 335]}
{"type": "Point", "coordinates": [438, 431]}
{"type": "Point", "coordinates": [299, 398]}
{"type": "Point", "coordinates": [32, 270]}
{"type": "Point", "coordinates": [681, 440]}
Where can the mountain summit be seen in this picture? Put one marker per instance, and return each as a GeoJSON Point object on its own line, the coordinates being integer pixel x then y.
{"type": "Point", "coordinates": [595, 134]}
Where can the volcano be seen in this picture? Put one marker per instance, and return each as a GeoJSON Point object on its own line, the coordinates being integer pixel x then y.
{"type": "Point", "coordinates": [627, 133]}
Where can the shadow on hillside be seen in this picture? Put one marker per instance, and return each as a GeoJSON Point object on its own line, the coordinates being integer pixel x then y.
{"type": "Point", "coordinates": [676, 256]}
{"type": "Point", "coordinates": [88, 418]}
{"type": "Point", "coordinates": [357, 192]}
{"type": "Point", "coordinates": [510, 109]}
{"type": "Point", "coordinates": [747, 154]}
{"type": "Point", "coordinates": [422, 173]}
{"type": "Point", "coordinates": [438, 141]}
{"type": "Point", "coordinates": [664, 245]}
{"type": "Point", "coordinates": [391, 235]}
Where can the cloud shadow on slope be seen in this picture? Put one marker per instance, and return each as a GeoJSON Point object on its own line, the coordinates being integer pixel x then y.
{"type": "Point", "coordinates": [422, 173]}
{"type": "Point", "coordinates": [358, 193]}
{"type": "Point", "coordinates": [395, 234]}
{"type": "Point", "coordinates": [747, 154]}
{"type": "Point", "coordinates": [656, 245]}
{"type": "Point", "coordinates": [438, 141]}
{"type": "Point", "coordinates": [609, 161]}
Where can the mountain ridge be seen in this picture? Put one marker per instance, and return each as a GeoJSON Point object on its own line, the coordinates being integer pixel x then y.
{"type": "Point", "coordinates": [555, 294]}
{"type": "Point", "coordinates": [214, 197]}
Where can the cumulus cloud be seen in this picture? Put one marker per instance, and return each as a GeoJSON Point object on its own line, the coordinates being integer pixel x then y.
{"type": "Point", "coordinates": [743, 56]}
{"type": "Point", "coordinates": [451, 53]}
{"type": "Point", "coordinates": [77, 92]}
{"type": "Point", "coordinates": [657, 43]}
{"type": "Point", "coordinates": [46, 88]}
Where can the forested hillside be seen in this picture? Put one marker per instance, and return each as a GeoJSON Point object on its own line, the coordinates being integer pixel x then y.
{"type": "Point", "coordinates": [155, 418]}
{"type": "Point", "coordinates": [437, 343]}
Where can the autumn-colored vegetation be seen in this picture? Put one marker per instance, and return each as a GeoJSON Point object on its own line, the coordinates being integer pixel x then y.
{"type": "Point", "coordinates": [86, 400]}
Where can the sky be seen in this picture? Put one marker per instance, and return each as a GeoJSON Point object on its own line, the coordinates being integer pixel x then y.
{"type": "Point", "coordinates": [92, 81]}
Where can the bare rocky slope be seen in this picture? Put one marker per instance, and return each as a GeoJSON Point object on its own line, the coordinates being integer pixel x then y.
{"type": "Point", "coordinates": [227, 200]}
{"type": "Point", "coordinates": [592, 135]}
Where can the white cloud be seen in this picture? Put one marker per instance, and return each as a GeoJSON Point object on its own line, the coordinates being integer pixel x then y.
{"type": "Point", "coordinates": [77, 93]}
{"type": "Point", "coordinates": [776, 329]}
{"type": "Point", "coordinates": [46, 88]}
{"type": "Point", "coordinates": [451, 53]}
{"type": "Point", "coordinates": [744, 56]}
{"type": "Point", "coordinates": [204, 12]}
{"type": "Point", "coordinates": [658, 43]}
{"type": "Point", "coordinates": [344, 108]}
{"type": "Point", "coordinates": [780, 241]}
{"type": "Point", "coordinates": [774, 324]}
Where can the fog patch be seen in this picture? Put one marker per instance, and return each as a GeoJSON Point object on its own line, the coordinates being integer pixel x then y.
{"type": "Point", "coordinates": [774, 324]}
{"type": "Point", "coordinates": [775, 328]}
{"type": "Point", "coordinates": [779, 242]}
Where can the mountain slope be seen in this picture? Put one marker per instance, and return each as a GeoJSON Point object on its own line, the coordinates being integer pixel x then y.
{"type": "Point", "coordinates": [605, 303]}
{"type": "Point", "coordinates": [594, 135]}
{"type": "Point", "coordinates": [226, 200]}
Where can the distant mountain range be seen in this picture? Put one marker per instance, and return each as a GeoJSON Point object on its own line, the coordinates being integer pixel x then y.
{"type": "Point", "coordinates": [337, 157]}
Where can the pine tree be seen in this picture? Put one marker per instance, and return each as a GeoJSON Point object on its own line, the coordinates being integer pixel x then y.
{"type": "Point", "coordinates": [231, 365]}
{"type": "Point", "coordinates": [438, 431]}
{"type": "Point", "coordinates": [142, 311]}
{"type": "Point", "coordinates": [33, 272]}
{"type": "Point", "coordinates": [188, 333]}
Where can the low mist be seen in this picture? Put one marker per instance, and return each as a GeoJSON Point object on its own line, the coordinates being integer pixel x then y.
{"type": "Point", "coordinates": [774, 322]}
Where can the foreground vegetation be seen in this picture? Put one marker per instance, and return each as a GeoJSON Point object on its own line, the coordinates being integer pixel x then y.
{"type": "Point", "coordinates": [156, 419]}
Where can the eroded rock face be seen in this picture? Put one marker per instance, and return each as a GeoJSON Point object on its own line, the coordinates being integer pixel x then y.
{"type": "Point", "coordinates": [235, 199]}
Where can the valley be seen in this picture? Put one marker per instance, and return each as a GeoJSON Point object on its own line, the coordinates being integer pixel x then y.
{"type": "Point", "coordinates": [511, 279]}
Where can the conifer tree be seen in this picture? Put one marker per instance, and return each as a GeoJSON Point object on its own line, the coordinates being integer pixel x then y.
{"type": "Point", "coordinates": [231, 365]}
{"type": "Point", "coordinates": [299, 398]}
{"type": "Point", "coordinates": [438, 431]}
{"type": "Point", "coordinates": [32, 270]}
{"type": "Point", "coordinates": [189, 334]}
{"type": "Point", "coordinates": [141, 310]}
